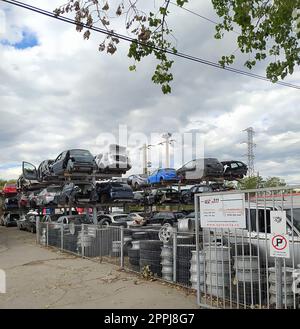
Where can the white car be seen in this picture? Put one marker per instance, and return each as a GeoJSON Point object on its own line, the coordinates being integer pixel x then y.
{"type": "Point", "coordinates": [121, 218]}
{"type": "Point", "coordinates": [115, 160]}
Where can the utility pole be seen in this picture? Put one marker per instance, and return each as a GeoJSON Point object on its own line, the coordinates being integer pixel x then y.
{"type": "Point", "coordinates": [167, 142]}
{"type": "Point", "coordinates": [250, 150]}
{"type": "Point", "coordinates": [145, 149]}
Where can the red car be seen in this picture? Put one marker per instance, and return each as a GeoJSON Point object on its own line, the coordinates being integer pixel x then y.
{"type": "Point", "coordinates": [10, 189]}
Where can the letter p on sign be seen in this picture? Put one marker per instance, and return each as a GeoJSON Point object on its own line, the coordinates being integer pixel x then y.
{"type": "Point", "coordinates": [2, 282]}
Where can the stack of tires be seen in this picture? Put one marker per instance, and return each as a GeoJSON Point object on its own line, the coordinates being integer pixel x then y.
{"type": "Point", "coordinates": [54, 237]}
{"type": "Point", "coordinates": [150, 251]}
{"type": "Point", "coordinates": [167, 262]}
{"type": "Point", "coordinates": [134, 255]}
{"type": "Point", "coordinates": [70, 242]}
{"type": "Point", "coordinates": [193, 269]}
{"type": "Point", "coordinates": [248, 286]}
{"type": "Point", "coordinates": [247, 280]}
{"type": "Point", "coordinates": [217, 269]}
{"type": "Point", "coordinates": [184, 255]}
{"type": "Point", "coordinates": [287, 287]}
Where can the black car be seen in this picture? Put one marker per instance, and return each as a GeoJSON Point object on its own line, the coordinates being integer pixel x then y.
{"type": "Point", "coordinates": [75, 160]}
{"type": "Point", "coordinates": [143, 197]}
{"type": "Point", "coordinates": [10, 219]}
{"type": "Point", "coordinates": [11, 203]}
{"type": "Point", "coordinates": [44, 171]}
{"type": "Point", "coordinates": [200, 169]}
{"type": "Point", "coordinates": [113, 191]}
{"type": "Point", "coordinates": [77, 193]}
{"type": "Point", "coordinates": [166, 195]}
{"type": "Point", "coordinates": [164, 217]}
{"type": "Point", "coordinates": [234, 169]}
{"type": "Point", "coordinates": [187, 196]}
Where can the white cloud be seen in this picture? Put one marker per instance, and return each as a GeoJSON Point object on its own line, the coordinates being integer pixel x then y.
{"type": "Point", "coordinates": [64, 93]}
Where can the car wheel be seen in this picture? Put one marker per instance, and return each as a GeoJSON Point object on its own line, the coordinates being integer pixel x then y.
{"type": "Point", "coordinates": [104, 223]}
{"type": "Point", "coordinates": [167, 223]}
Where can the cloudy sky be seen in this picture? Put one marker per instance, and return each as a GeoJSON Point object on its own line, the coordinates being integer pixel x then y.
{"type": "Point", "coordinates": [58, 92]}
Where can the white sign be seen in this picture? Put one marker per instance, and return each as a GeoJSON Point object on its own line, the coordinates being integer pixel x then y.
{"type": "Point", "coordinates": [280, 246]}
{"type": "Point", "coordinates": [278, 222]}
{"type": "Point", "coordinates": [223, 211]}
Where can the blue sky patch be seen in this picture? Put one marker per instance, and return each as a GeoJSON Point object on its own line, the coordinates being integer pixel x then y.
{"type": "Point", "coordinates": [29, 40]}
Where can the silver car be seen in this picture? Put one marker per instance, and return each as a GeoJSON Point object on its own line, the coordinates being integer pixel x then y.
{"type": "Point", "coordinates": [137, 181]}
{"type": "Point", "coordinates": [115, 160]}
{"type": "Point", "coordinates": [48, 196]}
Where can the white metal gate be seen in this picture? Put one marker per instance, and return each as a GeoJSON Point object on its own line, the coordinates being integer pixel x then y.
{"type": "Point", "coordinates": [256, 266]}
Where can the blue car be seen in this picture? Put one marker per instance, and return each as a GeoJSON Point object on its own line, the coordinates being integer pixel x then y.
{"type": "Point", "coordinates": [163, 175]}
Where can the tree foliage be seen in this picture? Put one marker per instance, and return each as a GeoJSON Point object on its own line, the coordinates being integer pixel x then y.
{"type": "Point", "coordinates": [268, 30]}
{"type": "Point", "coordinates": [254, 182]}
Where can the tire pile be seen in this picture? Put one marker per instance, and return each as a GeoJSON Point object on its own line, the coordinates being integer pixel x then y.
{"type": "Point", "coordinates": [247, 288]}
{"type": "Point", "coordinates": [184, 255]}
{"type": "Point", "coordinates": [150, 251]}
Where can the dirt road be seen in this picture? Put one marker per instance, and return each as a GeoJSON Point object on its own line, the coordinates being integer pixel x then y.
{"type": "Point", "coordinates": [38, 277]}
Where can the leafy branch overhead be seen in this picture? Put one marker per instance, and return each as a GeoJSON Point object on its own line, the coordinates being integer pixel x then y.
{"type": "Point", "coordinates": [150, 31]}
{"type": "Point", "coordinates": [268, 30]}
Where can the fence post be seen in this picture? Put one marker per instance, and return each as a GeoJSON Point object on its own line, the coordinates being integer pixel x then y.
{"type": "Point", "coordinates": [174, 254]}
{"type": "Point", "coordinates": [122, 246]}
{"type": "Point", "coordinates": [47, 234]}
{"type": "Point", "coordinates": [37, 228]}
{"type": "Point", "coordinates": [82, 239]}
{"type": "Point", "coordinates": [278, 269]}
{"type": "Point", "coordinates": [62, 236]}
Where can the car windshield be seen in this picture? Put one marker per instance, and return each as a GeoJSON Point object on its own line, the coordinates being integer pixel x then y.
{"type": "Point", "coordinates": [81, 153]}
{"type": "Point", "coordinates": [170, 170]}
{"type": "Point", "coordinates": [164, 215]}
{"type": "Point", "coordinates": [296, 215]}
{"type": "Point", "coordinates": [121, 218]}
{"type": "Point", "coordinates": [53, 189]}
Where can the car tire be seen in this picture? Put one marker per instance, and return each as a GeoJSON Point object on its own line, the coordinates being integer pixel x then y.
{"type": "Point", "coordinates": [104, 222]}
{"type": "Point", "coordinates": [167, 222]}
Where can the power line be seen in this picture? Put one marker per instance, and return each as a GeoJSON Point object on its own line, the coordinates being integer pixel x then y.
{"type": "Point", "coordinates": [129, 39]}
{"type": "Point", "coordinates": [196, 14]}
{"type": "Point", "coordinates": [199, 15]}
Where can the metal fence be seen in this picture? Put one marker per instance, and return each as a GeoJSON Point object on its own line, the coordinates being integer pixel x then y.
{"type": "Point", "coordinates": [235, 268]}
{"type": "Point", "coordinates": [138, 249]}
{"type": "Point", "coordinates": [89, 241]}
{"type": "Point", "coordinates": [228, 268]}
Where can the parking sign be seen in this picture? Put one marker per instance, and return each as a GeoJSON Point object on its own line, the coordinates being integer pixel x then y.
{"type": "Point", "coordinates": [279, 246]}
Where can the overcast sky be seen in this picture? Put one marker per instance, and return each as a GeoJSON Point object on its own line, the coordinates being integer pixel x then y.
{"type": "Point", "coordinates": [58, 92]}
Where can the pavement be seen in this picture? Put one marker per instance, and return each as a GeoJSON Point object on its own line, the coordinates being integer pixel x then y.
{"type": "Point", "coordinates": [38, 277]}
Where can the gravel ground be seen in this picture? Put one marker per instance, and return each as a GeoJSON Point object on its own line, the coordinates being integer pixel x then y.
{"type": "Point", "coordinates": [38, 277]}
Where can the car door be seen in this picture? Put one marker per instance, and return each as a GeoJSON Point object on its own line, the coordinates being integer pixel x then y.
{"type": "Point", "coordinates": [29, 171]}
{"type": "Point", "coordinates": [152, 177]}
{"type": "Point", "coordinates": [57, 166]}
{"type": "Point", "coordinates": [190, 170]}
